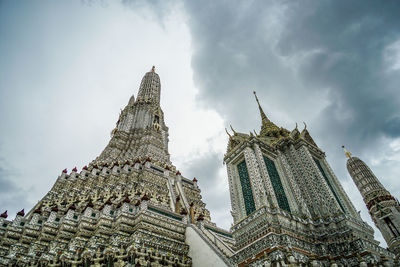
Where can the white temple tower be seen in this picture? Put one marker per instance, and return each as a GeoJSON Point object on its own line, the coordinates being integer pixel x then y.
{"type": "Point", "coordinates": [382, 206]}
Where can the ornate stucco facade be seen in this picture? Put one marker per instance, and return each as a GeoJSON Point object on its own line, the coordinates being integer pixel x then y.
{"type": "Point", "coordinates": [288, 206]}
{"type": "Point", "coordinates": [128, 207]}
{"type": "Point", "coordinates": [132, 207]}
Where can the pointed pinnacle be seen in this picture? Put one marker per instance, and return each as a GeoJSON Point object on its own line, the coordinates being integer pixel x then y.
{"type": "Point", "coordinates": [228, 132]}
{"type": "Point", "coordinates": [234, 132]}
{"type": "Point", "coordinates": [264, 117]}
{"type": "Point", "coordinates": [255, 94]}
{"type": "Point", "coordinates": [346, 152]}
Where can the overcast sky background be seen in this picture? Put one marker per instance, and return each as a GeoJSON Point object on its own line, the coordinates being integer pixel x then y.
{"type": "Point", "coordinates": [68, 67]}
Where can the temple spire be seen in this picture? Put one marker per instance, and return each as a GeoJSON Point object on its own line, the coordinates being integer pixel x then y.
{"type": "Point", "coordinates": [140, 131]}
{"type": "Point", "coordinates": [268, 128]}
{"type": "Point", "coordinates": [150, 87]}
{"type": "Point", "coordinates": [131, 101]}
{"type": "Point", "coordinates": [346, 152]}
{"type": "Point", "coordinates": [382, 206]}
{"type": "Point", "coordinates": [264, 118]}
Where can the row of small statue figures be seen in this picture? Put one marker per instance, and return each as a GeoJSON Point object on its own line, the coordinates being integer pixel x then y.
{"type": "Point", "coordinates": [141, 257]}
{"type": "Point", "coordinates": [279, 260]}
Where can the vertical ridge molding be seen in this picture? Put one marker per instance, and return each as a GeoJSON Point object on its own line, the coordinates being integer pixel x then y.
{"type": "Point", "coordinates": [328, 182]}
{"type": "Point", "coordinates": [255, 177]}
{"type": "Point", "coordinates": [298, 201]}
{"type": "Point", "coordinates": [233, 191]}
{"type": "Point", "coordinates": [266, 181]}
{"type": "Point", "coordinates": [277, 184]}
{"type": "Point", "coordinates": [350, 207]}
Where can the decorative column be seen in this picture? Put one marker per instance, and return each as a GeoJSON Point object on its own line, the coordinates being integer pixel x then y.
{"type": "Point", "coordinates": [255, 177]}
{"type": "Point", "coordinates": [266, 181]}
{"type": "Point", "coordinates": [234, 193]}
{"type": "Point", "coordinates": [382, 206]}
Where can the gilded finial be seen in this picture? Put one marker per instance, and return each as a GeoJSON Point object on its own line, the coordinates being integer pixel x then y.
{"type": "Point", "coordinates": [296, 125]}
{"type": "Point", "coordinates": [346, 152]}
{"type": "Point", "coordinates": [305, 125]}
{"type": "Point", "coordinates": [153, 69]}
{"type": "Point", "coordinates": [255, 94]}
{"type": "Point", "coordinates": [234, 132]}
{"type": "Point", "coordinates": [228, 132]}
{"type": "Point", "coordinates": [264, 119]}
{"type": "Point", "coordinates": [113, 131]}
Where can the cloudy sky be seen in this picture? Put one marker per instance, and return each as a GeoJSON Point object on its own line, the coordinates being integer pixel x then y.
{"type": "Point", "coordinates": [67, 68]}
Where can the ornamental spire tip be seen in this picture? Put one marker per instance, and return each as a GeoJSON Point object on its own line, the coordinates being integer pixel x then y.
{"type": "Point", "coordinates": [232, 129]}
{"type": "Point", "coordinates": [255, 94]}
{"type": "Point", "coordinates": [346, 152]}
{"type": "Point", "coordinates": [226, 130]}
{"type": "Point", "coordinates": [264, 118]}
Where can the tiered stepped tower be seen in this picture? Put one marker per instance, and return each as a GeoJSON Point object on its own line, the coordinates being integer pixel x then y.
{"type": "Point", "coordinates": [129, 207]}
{"type": "Point", "coordinates": [382, 206]}
{"type": "Point", "coordinates": [289, 208]}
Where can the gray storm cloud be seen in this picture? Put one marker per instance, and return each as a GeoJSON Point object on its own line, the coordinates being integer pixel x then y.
{"type": "Point", "coordinates": [291, 52]}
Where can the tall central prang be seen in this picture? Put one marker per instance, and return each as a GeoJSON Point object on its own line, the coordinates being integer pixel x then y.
{"type": "Point", "coordinates": [140, 132]}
